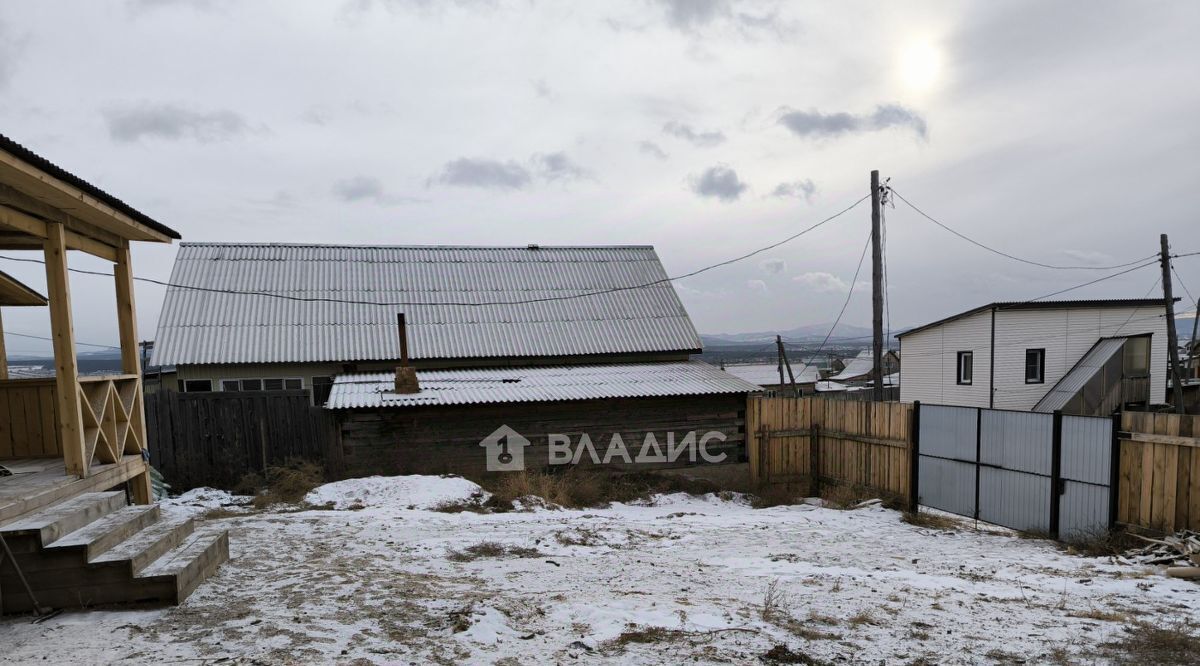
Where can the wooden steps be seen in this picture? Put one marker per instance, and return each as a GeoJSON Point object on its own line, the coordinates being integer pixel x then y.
{"type": "Point", "coordinates": [93, 549]}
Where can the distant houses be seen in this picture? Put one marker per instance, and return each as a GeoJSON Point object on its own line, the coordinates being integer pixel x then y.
{"type": "Point", "coordinates": [1085, 357]}
{"type": "Point", "coordinates": [528, 342]}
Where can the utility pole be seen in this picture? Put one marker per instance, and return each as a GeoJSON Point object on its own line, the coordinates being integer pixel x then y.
{"type": "Point", "coordinates": [1172, 338]}
{"type": "Point", "coordinates": [783, 361]}
{"type": "Point", "coordinates": [1192, 346]}
{"type": "Point", "coordinates": [876, 288]}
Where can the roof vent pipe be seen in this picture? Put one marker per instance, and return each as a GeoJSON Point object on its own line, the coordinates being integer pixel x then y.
{"type": "Point", "coordinates": [406, 375]}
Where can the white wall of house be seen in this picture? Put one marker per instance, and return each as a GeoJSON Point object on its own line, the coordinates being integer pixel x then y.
{"type": "Point", "coordinates": [929, 373]}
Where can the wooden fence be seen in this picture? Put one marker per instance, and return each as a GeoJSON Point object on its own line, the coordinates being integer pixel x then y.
{"type": "Point", "coordinates": [793, 441]}
{"type": "Point", "coordinates": [1160, 471]}
{"type": "Point", "coordinates": [28, 419]}
{"type": "Point", "coordinates": [214, 439]}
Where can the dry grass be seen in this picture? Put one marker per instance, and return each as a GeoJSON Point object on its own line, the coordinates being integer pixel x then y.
{"type": "Point", "coordinates": [640, 634]}
{"type": "Point", "coordinates": [491, 549]}
{"type": "Point", "coordinates": [782, 654]}
{"type": "Point", "coordinates": [862, 617]}
{"type": "Point", "coordinates": [1171, 644]}
{"type": "Point", "coordinates": [774, 603]}
{"type": "Point", "coordinates": [779, 495]}
{"type": "Point", "coordinates": [287, 483]}
{"type": "Point", "coordinates": [1100, 543]}
{"type": "Point", "coordinates": [931, 521]}
{"type": "Point", "coordinates": [579, 488]}
{"type": "Point", "coordinates": [1103, 616]}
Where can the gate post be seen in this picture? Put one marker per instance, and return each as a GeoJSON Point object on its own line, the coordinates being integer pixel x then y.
{"type": "Point", "coordinates": [1114, 472]}
{"type": "Point", "coordinates": [914, 457]}
{"type": "Point", "coordinates": [1056, 484]}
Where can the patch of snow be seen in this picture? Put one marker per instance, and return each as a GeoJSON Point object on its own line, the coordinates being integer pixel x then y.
{"type": "Point", "coordinates": [395, 492]}
{"type": "Point", "coordinates": [206, 498]}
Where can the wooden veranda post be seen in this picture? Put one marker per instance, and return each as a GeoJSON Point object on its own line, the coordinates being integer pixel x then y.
{"type": "Point", "coordinates": [131, 363]}
{"type": "Point", "coordinates": [66, 368]}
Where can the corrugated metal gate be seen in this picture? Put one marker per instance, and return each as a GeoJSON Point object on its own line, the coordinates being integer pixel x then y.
{"type": "Point", "coordinates": [1044, 473]}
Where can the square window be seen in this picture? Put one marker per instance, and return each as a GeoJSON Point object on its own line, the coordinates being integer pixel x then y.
{"type": "Point", "coordinates": [293, 384]}
{"type": "Point", "coordinates": [231, 385]}
{"type": "Point", "coordinates": [966, 362]}
{"type": "Point", "coordinates": [251, 384]}
{"type": "Point", "coordinates": [272, 384]}
{"type": "Point", "coordinates": [1035, 366]}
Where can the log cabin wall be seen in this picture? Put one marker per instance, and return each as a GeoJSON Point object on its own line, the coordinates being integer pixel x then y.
{"type": "Point", "coordinates": [446, 439]}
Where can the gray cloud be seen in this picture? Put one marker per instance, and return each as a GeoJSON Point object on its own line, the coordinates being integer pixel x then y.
{"type": "Point", "coordinates": [815, 123]}
{"type": "Point", "coordinates": [798, 189]}
{"type": "Point", "coordinates": [142, 5]}
{"type": "Point", "coordinates": [692, 14]}
{"type": "Point", "coordinates": [719, 182]}
{"type": "Point", "coordinates": [358, 188]}
{"type": "Point", "coordinates": [368, 188]}
{"type": "Point", "coordinates": [557, 166]}
{"type": "Point", "coordinates": [486, 173]}
{"type": "Point", "coordinates": [165, 121]}
{"type": "Point", "coordinates": [11, 47]}
{"type": "Point", "coordinates": [773, 266]}
{"type": "Point", "coordinates": [652, 149]}
{"type": "Point", "coordinates": [704, 139]}
{"type": "Point", "coordinates": [542, 89]}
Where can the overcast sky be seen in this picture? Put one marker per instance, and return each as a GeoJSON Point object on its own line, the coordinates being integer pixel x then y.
{"type": "Point", "coordinates": [706, 128]}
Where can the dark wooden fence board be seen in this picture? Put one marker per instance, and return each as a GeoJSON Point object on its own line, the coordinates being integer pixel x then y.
{"type": "Point", "coordinates": [214, 439]}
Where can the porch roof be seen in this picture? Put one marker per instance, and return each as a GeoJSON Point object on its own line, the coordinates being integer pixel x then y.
{"type": "Point", "coordinates": [14, 292]}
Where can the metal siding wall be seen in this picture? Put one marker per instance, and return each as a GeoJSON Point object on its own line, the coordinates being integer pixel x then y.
{"type": "Point", "coordinates": [1086, 449]}
{"type": "Point", "coordinates": [948, 432]}
{"type": "Point", "coordinates": [1014, 499]}
{"type": "Point", "coordinates": [1086, 468]}
{"type": "Point", "coordinates": [1016, 440]}
{"type": "Point", "coordinates": [947, 485]}
{"type": "Point", "coordinates": [1083, 511]}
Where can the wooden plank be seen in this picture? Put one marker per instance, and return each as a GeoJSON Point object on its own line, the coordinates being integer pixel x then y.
{"type": "Point", "coordinates": [68, 409]}
{"type": "Point", "coordinates": [1172, 440]}
{"type": "Point", "coordinates": [1170, 478]}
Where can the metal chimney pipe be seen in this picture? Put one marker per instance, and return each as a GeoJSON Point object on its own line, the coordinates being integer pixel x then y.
{"type": "Point", "coordinates": [403, 330]}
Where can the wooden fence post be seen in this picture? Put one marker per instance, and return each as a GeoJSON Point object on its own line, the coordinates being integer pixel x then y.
{"type": "Point", "coordinates": [814, 460]}
{"type": "Point", "coordinates": [1114, 472]}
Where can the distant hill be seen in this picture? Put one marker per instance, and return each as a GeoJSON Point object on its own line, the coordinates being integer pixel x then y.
{"type": "Point", "coordinates": [810, 333]}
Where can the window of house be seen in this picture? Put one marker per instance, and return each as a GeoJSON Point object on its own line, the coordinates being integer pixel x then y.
{"type": "Point", "coordinates": [1035, 366]}
{"type": "Point", "coordinates": [1137, 357]}
{"type": "Point", "coordinates": [293, 384]}
{"type": "Point", "coordinates": [231, 385]}
{"type": "Point", "coordinates": [252, 385]}
{"type": "Point", "coordinates": [321, 386]}
{"type": "Point", "coordinates": [966, 360]}
{"type": "Point", "coordinates": [272, 384]}
{"type": "Point", "coordinates": [196, 385]}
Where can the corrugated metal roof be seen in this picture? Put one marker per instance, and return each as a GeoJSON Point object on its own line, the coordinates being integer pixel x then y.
{"type": "Point", "coordinates": [1074, 381]}
{"type": "Point", "coordinates": [537, 384]}
{"type": "Point", "coordinates": [46, 166]}
{"type": "Point", "coordinates": [203, 327]}
{"type": "Point", "coordinates": [1045, 305]}
{"type": "Point", "coordinates": [767, 374]}
{"type": "Point", "coordinates": [858, 366]}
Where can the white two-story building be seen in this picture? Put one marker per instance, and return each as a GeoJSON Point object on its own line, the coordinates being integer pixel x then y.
{"type": "Point", "coordinates": [1081, 357]}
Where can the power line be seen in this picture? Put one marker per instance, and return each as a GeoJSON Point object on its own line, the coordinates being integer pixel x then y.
{"type": "Point", "coordinates": [1184, 285]}
{"type": "Point", "coordinates": [849, 294]}
{"type": "Point", "coordinates": [1010, 256]}
{"type": "Point", "coordinates": [1152, 262]}
{"type": "Point", "coordinates": [52, 340]}
{"type": "Point", "coordinates": [544, 299]}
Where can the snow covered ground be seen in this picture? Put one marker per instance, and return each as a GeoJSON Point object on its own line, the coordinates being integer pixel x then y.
{"type": "Point", "coordinates": [383, 578]}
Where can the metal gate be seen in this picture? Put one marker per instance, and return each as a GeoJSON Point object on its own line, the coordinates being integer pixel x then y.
{"type": "Point", "coordinates": [1035, 472]}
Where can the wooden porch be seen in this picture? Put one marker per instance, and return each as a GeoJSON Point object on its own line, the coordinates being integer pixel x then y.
{"type": "Point", "coordinates": [39, 482]}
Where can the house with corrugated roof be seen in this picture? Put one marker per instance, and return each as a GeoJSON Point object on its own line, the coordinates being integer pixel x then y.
{"type": "Point", "coordinates": [566, 341]}
{"type": "Point", "coordinates": [1083, 357]}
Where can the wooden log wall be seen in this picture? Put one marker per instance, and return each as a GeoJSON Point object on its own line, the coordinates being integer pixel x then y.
{"type": "Point", "coordinates": [436, 440]}
{"type": "Point", "coordinates": [1159, 471]}
{"type": "Point", "coordinates": [28, 419]}
{"type": "Point", "coordinates": [796, 440]}
{"type": "Point", "coordinates": [214, 439]}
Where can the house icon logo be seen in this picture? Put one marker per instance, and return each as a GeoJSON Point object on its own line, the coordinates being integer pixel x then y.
{"type": "Point", "coordinates": [505, 450]}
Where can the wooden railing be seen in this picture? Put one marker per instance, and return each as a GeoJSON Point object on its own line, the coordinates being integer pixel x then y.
{"type": "Point", "coordinates": [29, 419]}
{"type": "Point", "coordinates": [113, 420]}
